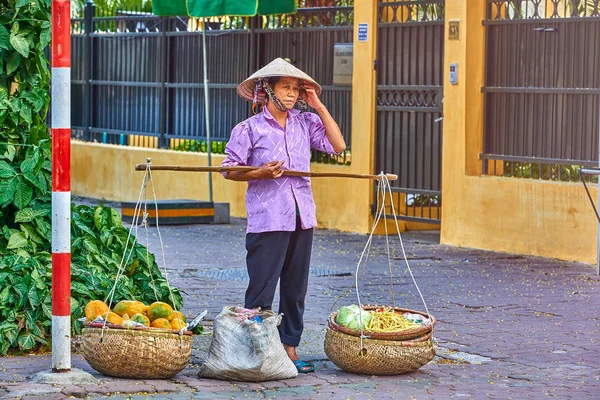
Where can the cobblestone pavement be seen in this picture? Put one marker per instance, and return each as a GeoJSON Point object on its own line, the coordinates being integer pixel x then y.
{"type": "Point", "coordinates": [508, 326]}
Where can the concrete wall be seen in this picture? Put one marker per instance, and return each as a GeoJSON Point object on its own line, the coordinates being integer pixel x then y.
{"type": "Point", "coordinates": [108, 172]}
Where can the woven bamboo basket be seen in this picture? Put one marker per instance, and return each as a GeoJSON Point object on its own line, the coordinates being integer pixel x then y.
{"type": "Point", "coordinates": [423, 338]}
{"type": "Point", "coordinates": [377, 357]}
{"type": "Point", "coordinates": [136, 352]}
{"type": "Point", "coordinates": [405, 334]}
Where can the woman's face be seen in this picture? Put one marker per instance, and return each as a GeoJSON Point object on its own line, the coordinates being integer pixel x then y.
{"type": "Point", "coordinates": [287, 89]}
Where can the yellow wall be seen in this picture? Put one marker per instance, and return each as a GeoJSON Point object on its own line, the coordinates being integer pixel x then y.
{"type": "Point", "coordinates": [108, 172]}
{"type": "Point", "coordinates": [547, 219]}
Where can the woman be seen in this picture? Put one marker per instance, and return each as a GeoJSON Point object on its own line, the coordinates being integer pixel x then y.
{"type": "Point", "coordinates": [280, 209]}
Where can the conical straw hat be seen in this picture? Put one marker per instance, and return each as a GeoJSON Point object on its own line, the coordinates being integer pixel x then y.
{"type": "Point", "coordinates": [277, 67]}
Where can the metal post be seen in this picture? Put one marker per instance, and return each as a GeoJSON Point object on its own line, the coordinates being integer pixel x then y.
{"type": "Point", "coordinates": [253, 23]}
{"type": "Point", "coordinates": [206, 108]}
{"type": "Point", "coordinates": [598, 202]}
{"type": "Point", "coordinates": [61, 185]}
{"type": "Point", "coordinates": [594, 172]}
{"type": "Point", "coordinates": [164, 73]}
{"type": "Point", "coordinates": [89, 13]}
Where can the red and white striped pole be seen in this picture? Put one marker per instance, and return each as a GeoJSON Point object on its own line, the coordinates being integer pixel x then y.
{"type": "Point", "coordinates": [61, 185]}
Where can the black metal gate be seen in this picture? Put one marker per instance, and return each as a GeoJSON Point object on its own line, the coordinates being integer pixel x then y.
{"type": "Point", "coordinates": [542, 88]}
{"type": "Point", "coordinates": [410, 54]}
{"type": "Point", "coordinates": [139, 76]}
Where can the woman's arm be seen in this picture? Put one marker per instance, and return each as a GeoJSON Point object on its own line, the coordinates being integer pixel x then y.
{"type": "Point", "coordinates": [270, 170]}
{"type": "Point", "coordinates": [332, 130]}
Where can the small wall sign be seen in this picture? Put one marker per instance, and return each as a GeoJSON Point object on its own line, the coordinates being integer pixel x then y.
{"type": "Point", "coordinates": [342, 63]}
{"type": "Point", "coordinates": [454, 30]}
{"type": "Point", "coordinates": [363, 32]}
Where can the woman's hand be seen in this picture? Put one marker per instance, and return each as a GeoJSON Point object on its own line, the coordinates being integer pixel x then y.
{"type": "Point", "coordinates": [332, 130]}
{"type": "Point", "coordinates": [270, 170]}
{"type": "Point", "coordinates": [311, 97]}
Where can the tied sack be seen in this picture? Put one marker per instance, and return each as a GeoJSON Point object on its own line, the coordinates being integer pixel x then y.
{"type": "Point", "coordinates": [245, 349]}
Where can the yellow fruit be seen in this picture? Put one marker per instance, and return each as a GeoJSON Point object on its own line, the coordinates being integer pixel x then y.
{"type": "Point", "coordinates": [112, 318]}
{"type": "Point", "coordinates": [95, 308]}
{"type": "Point", "coordinates": [161, 323]}
{"type": "Point", "coordinates": [141, 318]}
{"type": "Point", "coordinates": [125, 317]}
{"type": "Point", "coordinates": [130, 307]}
{"type": "Point", "coordinates": [176, 314]}
{"type": "Point", "coordinates": [178, 324]}
{"type": "Point", "coordinates": [159, 309]}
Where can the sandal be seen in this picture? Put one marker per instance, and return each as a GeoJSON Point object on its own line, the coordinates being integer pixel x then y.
{"type": "Point", "coordinates": [304, 367]}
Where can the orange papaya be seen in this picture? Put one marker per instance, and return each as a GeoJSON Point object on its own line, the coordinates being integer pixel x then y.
{"type": "Point", "coordinates": [95, 308]}
{"type": "Point", "coordinates": [159, 309]}
{"type": "Point", "coordinates": [178, 324]}
{"type": "Point", "coordinates": [141, 318]}
{"type": "Point", "coordinates": [129, 307]}
{"type": "Point", "coordinates": [176, 314]}
{"type": "Point", "coordinates": [112, 318]}
{"type": "Point", "coordinates": [161, 323]}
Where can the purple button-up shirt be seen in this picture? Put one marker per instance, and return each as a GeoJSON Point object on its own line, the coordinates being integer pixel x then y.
{"type": "Point", "coordinates": [271, 203]}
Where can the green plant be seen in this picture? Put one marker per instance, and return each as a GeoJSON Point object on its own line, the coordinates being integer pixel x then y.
{"type": "Point", "coordinates": [200, 146]}
{"type": "Point", "coordinates": [24, 75]}
{"type": "Point", "coordinates": [422, 200]}
{"type": "Point", "coordinates": [98, 236]}
{"type": "Point", "coordinates": [98, 249]}
{"type": "Point", "coordinates": [549, 172]}
{"type": "Point", "coordinates": [324, 158]}
{"type": "Point", "coordinates": [106, 8]}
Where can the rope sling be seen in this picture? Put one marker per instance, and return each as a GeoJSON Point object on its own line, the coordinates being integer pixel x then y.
{"type": "Point", "coordinates": [142, 198]}
{"type": "Point", "coordinates": [383, 190]}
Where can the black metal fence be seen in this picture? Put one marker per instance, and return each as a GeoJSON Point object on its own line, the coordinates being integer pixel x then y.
{"type": "Point", "coordinates": [410, 54]}
{"type": "Point", "coordinates": [542, 88]}
{"type": "Point", "coordinates": [138, 79]}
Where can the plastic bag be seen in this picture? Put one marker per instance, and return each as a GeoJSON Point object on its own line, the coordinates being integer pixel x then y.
{"type": "Point", "coordinates": [417, 319]}
{"type": "Point", "coordinates": [246, 348]}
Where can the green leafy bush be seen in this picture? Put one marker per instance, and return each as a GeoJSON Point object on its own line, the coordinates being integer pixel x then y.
{"type": "Point", "coordinates": [24, 73]}
{"type": "Point", "coordinates": [98, 236]}
{"type": "Point", "coordinates": [98, 249]}
{"type": "Point", "coordinates": [200, 146]}
{"type": "Point", "coordinates": [98, 246]}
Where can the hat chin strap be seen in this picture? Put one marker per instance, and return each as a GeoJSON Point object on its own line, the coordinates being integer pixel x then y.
{"type": "Point", "coordinates": [273, 97]}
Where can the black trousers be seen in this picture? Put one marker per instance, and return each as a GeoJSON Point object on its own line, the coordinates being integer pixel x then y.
{"type": "Point", "coordinates": [285, 257]}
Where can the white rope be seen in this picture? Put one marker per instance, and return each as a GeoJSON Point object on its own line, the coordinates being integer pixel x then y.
{"type": "Point", "coordinates": [387, 183]}
{"type": "Point", "coordinates": [124, 260]}
{"type": "Point", "coordinates": [145, 223]}
{"type": "Point", "coordinates": [162, 247]}
{"type": "Point", "coordinates": [383, 185]}
{"type": "Point", "coordinates": [109, 298]}
{"type": "Point", "coordinates": [387, 247]}
{"type": "Point", "coordinates": [366, 250]}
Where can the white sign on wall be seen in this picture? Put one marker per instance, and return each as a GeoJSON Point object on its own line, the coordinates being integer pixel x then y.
{"type": "Point", "coordinates": [363, 32]}
{"type": "Point", "coordinates": [342, 64]}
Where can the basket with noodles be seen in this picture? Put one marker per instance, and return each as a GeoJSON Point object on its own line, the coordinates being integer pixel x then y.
{"type": "Point", "coordinates": [390, 344]}
{"type": "Point", "coordinates": [379, 340]}
{"type": "Point", "coordinates": [385, 323]}
{"type": "Point", "coordinates": [377, 357]}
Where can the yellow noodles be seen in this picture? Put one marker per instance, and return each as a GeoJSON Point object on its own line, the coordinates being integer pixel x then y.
{"type": "Point", "coordinates": [387, 320]}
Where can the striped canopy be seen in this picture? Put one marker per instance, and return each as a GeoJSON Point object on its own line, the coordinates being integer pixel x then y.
{"type": "Point", "coordinates": [216, 8]}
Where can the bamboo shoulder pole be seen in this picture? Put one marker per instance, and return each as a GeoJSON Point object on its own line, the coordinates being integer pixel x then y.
{"type": "Point", "coordinates": [183, 168]}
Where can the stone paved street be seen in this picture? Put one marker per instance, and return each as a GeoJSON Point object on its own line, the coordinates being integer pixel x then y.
{"type": "Point", "coordinates": [508, 326]}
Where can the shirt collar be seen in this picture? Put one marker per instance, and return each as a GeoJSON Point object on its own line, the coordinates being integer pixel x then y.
{"type": "Point", "coordinates": [291, 113]}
